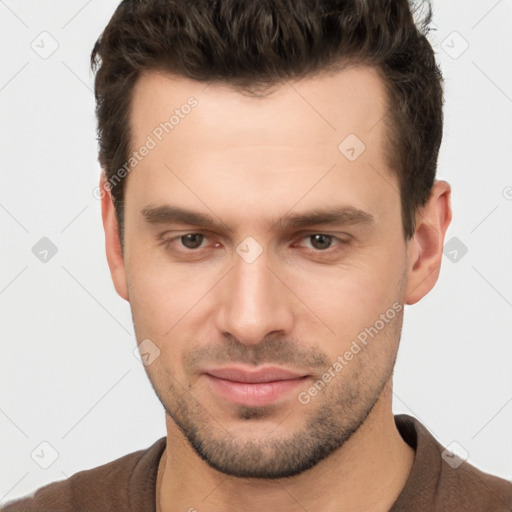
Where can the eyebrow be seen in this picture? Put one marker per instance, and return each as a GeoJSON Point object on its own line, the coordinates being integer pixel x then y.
{"type": "Point", "coordinates": [339, 215]}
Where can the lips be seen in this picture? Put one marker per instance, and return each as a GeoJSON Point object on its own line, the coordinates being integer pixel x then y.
{"type": "Point", "coordinates": [254, 387]}
{"type": "Point", "coordinates": [267, 374]}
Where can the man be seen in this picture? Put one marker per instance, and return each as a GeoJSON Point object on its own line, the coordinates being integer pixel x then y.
{"type": "Point", "coordinates": [270, 205]}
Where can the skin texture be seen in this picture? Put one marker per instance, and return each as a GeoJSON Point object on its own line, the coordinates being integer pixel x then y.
{"type": "Point", "coordinates": [248, 163]}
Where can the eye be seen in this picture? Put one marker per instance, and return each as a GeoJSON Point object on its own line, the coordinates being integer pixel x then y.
{"type": "Point", "coordinates": [323, 245]}
{"type": "Point", "coordinates": [186, 243]}
{"type": "Point", "coordinates": [192, 240]}
{"type": "Point", "coordinates": [320, 241]}
{"type": "Point", "coordinates": [194, 244]}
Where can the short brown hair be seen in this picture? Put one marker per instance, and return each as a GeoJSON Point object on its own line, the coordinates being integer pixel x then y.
{"type": "Point", "coordinates": [252, 45]}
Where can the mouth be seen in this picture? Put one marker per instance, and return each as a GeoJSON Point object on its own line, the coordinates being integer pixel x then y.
{"type": "Point", "coordinates": [254, 388]}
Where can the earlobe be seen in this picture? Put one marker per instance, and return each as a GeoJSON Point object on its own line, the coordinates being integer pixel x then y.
{"type": "Point", "coordinates": [425, 249]}
{"type": "Point", "coordinates": [112, 242]}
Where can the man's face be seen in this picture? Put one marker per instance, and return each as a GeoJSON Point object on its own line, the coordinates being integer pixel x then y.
{"type": "Point", "coordinates": [254, 288]}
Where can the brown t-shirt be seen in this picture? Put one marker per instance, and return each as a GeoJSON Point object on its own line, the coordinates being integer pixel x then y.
{"type": "Point", "coordinates": [128, 484]}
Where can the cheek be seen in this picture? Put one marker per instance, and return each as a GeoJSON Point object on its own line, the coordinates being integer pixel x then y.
{"type": "Point", "coordinates": [156, 301]}
{"type": "Point", "coordinates": [346, 300]}
{"type": "Point", "coordinates": [165, 298]}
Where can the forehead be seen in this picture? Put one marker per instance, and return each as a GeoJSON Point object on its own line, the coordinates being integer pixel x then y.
{"type": "Point", "coordinates": [311, 110]}
{"type": "Point", "coordinates": [257, 149]}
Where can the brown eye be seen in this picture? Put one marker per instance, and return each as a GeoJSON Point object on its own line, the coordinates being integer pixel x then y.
{"type": "Point", "coordinates": [320, 241]}
{"type": "Point", "coordinates": [192, 240]}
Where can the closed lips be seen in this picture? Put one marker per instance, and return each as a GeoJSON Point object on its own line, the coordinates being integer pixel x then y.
{"type": "Point", "coordinates": [254, 377]}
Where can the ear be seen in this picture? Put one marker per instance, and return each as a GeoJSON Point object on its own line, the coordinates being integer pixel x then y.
{"type": "Point", "coordinates": [425, 248]}
{"type": "Point", "coordinates": [112, 241]}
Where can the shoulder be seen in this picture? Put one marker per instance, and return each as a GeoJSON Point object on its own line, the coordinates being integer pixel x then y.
{"type": "Point", "coordinates": [116, 485]}
{"type": "Point", "coordinates": [443, 481]}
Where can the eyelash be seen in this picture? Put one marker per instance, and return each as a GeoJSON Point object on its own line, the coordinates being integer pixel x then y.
{"type": "Point", "coordinates": [340, 242]}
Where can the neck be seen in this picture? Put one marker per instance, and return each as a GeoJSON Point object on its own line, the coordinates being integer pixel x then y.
{"type": "Point", "coordinates": [367, 473]}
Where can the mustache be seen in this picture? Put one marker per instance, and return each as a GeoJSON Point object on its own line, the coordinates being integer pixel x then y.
{"type": "Point", "coordinates": [272, 350]}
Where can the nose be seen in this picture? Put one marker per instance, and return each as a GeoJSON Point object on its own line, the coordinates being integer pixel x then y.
{"type": "Point", "coordinates": [254, 302]}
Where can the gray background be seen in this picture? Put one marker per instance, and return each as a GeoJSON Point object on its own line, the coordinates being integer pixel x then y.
{"type": "Point", "coordinates": [68, 375]}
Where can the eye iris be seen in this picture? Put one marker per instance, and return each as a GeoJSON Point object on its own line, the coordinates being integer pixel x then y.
{"type": "Point", "coordinates": [321, 241]}
{"type": "Point", "coordinates": [192, 240]}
